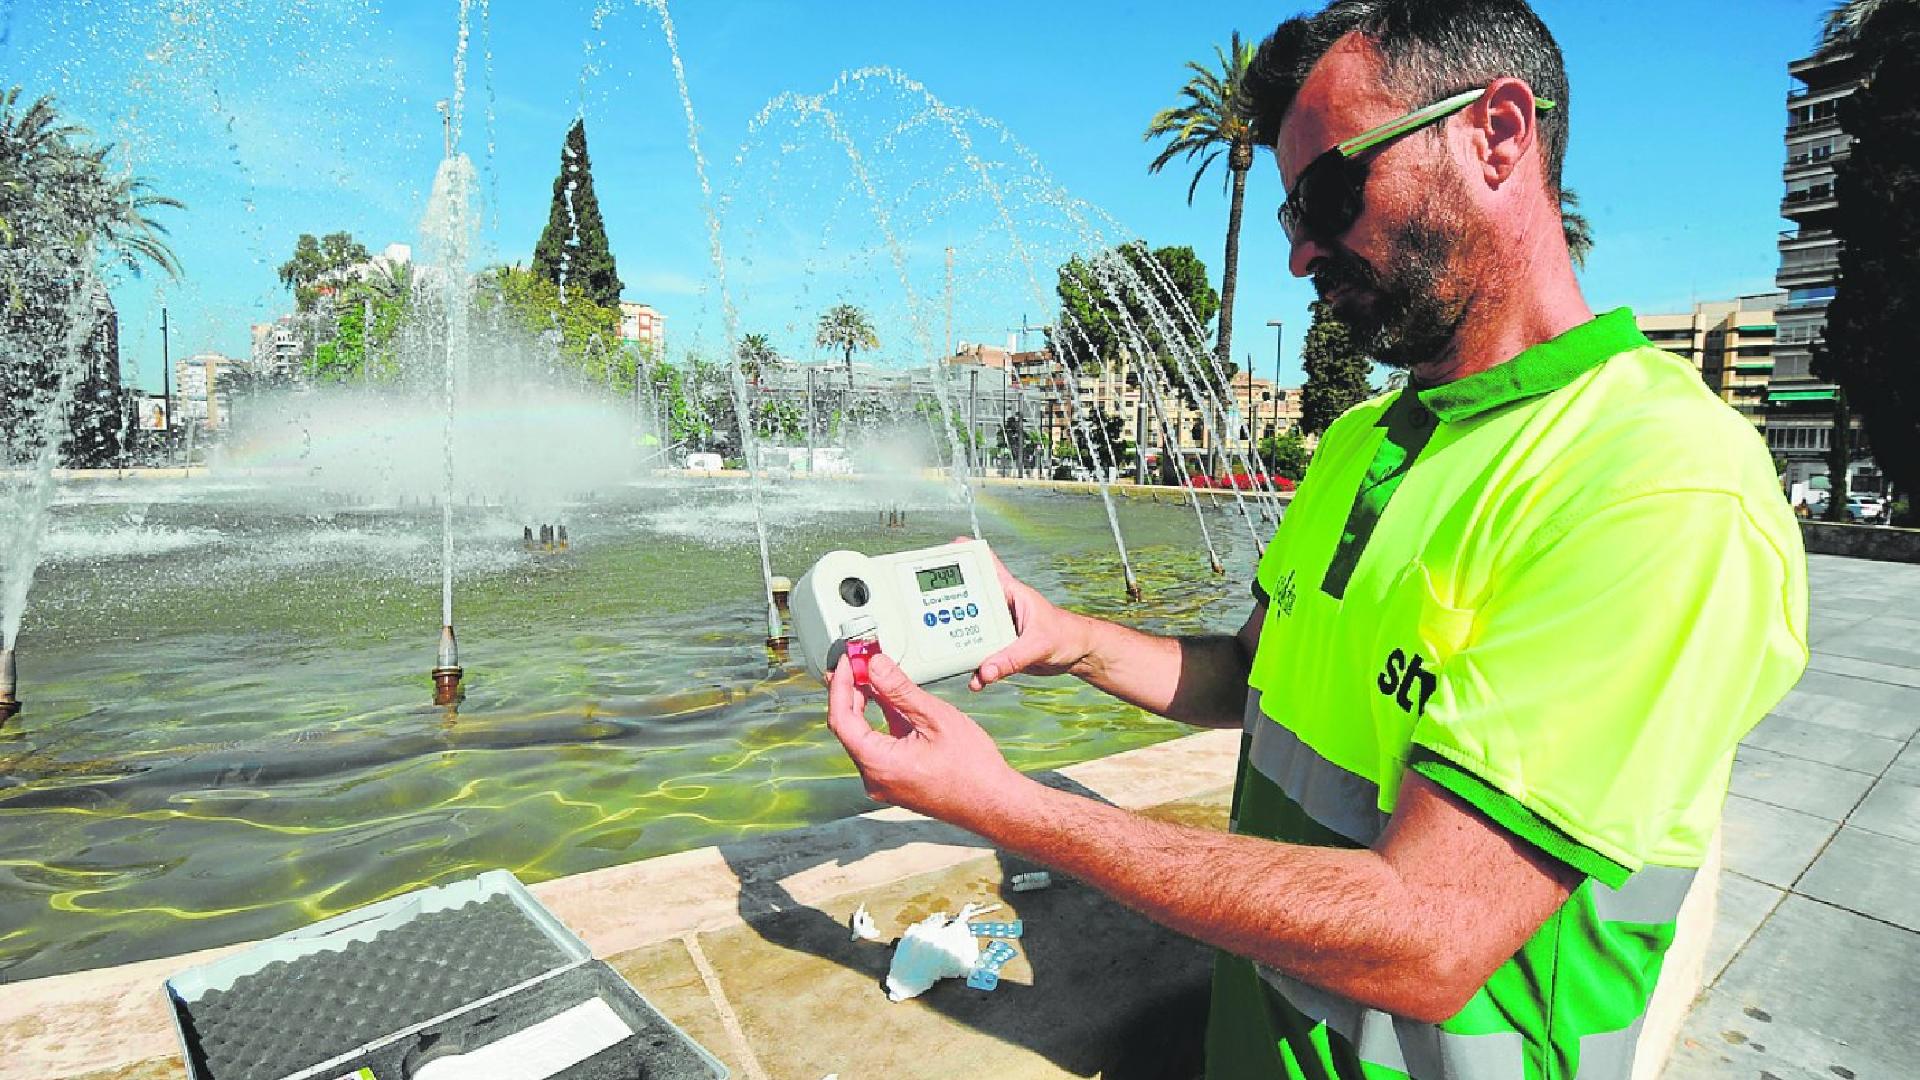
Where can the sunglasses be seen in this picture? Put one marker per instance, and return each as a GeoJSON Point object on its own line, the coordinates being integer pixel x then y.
{"type": "Point", "coordinates": [1327, 197]}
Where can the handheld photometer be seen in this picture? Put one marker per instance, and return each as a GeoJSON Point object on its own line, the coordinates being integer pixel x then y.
{"type": "Point", "coordinates": [937, 612]}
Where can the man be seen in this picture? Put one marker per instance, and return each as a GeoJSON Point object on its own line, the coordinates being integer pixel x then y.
{"type": "Point", "coordinates": [1504, 643]}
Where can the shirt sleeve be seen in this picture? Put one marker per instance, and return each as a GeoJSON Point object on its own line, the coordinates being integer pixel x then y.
{"type": "Point", "coordinates": [1610, 671]}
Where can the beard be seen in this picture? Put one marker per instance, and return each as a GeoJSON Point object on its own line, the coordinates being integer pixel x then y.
{"type": "Point", "coordinates": [1407, 313]}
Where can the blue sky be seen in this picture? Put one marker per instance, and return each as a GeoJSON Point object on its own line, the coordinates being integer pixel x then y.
{"type": "Point", "coordinates": [275, 117]}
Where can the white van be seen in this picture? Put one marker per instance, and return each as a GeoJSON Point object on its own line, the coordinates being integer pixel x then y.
{"type": "Point", "coordinates": [704, 463]}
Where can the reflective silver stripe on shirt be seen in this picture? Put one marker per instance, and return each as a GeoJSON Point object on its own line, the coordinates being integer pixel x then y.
{"type": "Point", "coordinates": [1342, 801]}
{"type": "Point", "coordinates": [1422, 1051]}
{"type": "Point", "coordinates": [1652, 895]}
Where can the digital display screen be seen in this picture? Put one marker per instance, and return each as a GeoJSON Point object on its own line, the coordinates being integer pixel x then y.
{"type": "Point", "coordinates": [939, 577]}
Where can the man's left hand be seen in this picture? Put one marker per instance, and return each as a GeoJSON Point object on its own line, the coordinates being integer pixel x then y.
{"type": "Point", "coordinates": [932, 758]}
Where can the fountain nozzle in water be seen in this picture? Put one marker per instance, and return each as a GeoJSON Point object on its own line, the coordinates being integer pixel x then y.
{"type": "Point", "coordinates": [9, 681]}
{"type": "Point", "coordinates": [446, 676]}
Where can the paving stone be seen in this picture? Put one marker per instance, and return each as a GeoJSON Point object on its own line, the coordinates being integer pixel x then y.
{"type": "Point", "coordinates": [167, 1068]}
{"type": "Point", "coordinates": [1906, 766]}
{"type": "Point", "coordinates": [1797, 784]}
{"type": "Point", "coordinates": [1770, 843]}
{"type": "Point", "coordinates": [1851, 666]}
{"type": "Point", "coordinates": [1817, 992]}
{"type": "Point", "coordinates": [1868, 873]}
{"type": "Point", "coordinates": [1743, 905]}
{"type": "Point", "coordinates": [665, 975]}
{"type": "Point", "coordinates": [1892, 808]}
{"type": "Point", "coordinates": [1857, 704]}
{"type": "Point", "coordinates": [1875, 639]}
{"type": "Point", "coordinates": [1825, 743]}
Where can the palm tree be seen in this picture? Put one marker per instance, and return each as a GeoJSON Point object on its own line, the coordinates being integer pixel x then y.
{"type": "Point", "coordinates": [757, 357]}
{"type": "Point", "coordinates": [846, 328]}
{"type": "Point", "coordinates": [54, 189]}
{"type": "Point", "coordinates": [1209, 123]}
{"type": "Point", "coordinates": [1576, 227]}
{"type": "Point", "coordinates": [1844, 23]}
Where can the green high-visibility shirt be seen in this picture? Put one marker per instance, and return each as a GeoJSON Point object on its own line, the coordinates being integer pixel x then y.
{"type": "Point", "coordinates": [1562, 589]}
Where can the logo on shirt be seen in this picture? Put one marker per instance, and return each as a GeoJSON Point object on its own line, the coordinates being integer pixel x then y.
{"type": "Point", "coordinates": [1284, 600]}
{"type": "Point", "coordinates": [1401, 678]}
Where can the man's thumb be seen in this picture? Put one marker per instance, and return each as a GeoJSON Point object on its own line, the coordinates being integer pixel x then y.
{"type": "Point", "coordinates": [894, 688]}
{"type": "Point", "coordinates": [1015, 658]}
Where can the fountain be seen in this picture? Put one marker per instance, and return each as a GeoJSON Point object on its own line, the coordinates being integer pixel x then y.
{"type": "Point", "coordinates": [162, 794]}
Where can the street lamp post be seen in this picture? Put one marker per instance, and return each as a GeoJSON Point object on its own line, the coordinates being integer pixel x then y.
{"type": "Point", "coordinates": [1277, 331]}
{"type": "Point", "coordinates": [166, 387]}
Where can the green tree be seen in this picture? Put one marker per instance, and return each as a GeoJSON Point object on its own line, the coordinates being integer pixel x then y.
{"type": "Point", "coordinates": [1107, 305]}
{"type": "Point", "coordinates": [318, 266]}
{"type": "Point", "coordinates": [757, 358]}
{"type": "Point", "coordinates": [1576, 227]}
{"type": "Point", "coordinates": [1337, 372]}
{"type": "Point", "coordinates": [63, 211]}
{"type": "Point", "coordinates": [573, 247]}
{"type": "Point", "coordinates": [845, 327]}
{"type": "Point", "coordinates": [588, 334]}
{"type": "Point", "coordinates": [1839, 457]}
{"type": "Point", "coordinates": [1847, 22]}
{"type": "Point", "coordinates": [1868, 346]}
{"type": "Point", "coordinates": [1101, 442]}
{"type": "Point", "coordinates": [57, 192]}
{"type": "Point", "coordinates": [367, 318]}
{"type": "Point", "coordinates": [1285, 454]}
{"type": "Point", "coordinates": [1208, 123]}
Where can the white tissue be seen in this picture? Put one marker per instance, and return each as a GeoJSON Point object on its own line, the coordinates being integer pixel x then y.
{"type": "Point", "coordinates": [862, 925]}
{"type": "Point", "coordinates": [934, 948]}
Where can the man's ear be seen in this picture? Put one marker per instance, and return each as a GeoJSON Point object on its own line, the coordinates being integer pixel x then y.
{"type": "Point", "coordinates": [1506, 129]}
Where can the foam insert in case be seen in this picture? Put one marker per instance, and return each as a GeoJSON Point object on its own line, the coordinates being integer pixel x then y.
{"type": "Point", "coordinates": [437, 973]}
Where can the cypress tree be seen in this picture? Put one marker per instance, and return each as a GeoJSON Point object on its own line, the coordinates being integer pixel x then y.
{"type": "Point", "coordinates": [574, 243]}
{"type": "Point", "coordinates": [1868, 347]}
{"type": "Point", "coordinates": [1337, 372]}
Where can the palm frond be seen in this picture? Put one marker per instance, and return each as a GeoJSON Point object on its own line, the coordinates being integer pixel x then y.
{"type": "Point", "coordinates": [1208, 119]}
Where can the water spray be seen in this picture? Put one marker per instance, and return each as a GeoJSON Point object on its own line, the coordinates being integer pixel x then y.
{"type": "Point", "coordinates": [9, 681]}
{"type": "Point", "coordinates": [447, 673]}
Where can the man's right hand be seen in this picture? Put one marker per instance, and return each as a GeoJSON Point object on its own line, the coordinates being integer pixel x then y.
{"type": "Point", "coordinates": [1051, 640]}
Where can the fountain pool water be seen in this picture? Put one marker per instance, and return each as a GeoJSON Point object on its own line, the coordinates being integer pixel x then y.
{"type": "Point", "coordinates": [229, 735]}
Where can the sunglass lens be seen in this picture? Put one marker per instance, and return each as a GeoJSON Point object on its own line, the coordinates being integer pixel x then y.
{"type": "Point", "coordinates": [1326, 197]}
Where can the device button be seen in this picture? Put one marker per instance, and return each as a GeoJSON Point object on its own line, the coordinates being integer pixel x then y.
{"type": "Point", "coordinates": [945, 615]}
{"type": "Point", "coordinates": [932, 619]}
{"type": "Point", "coordinates": [973, 610]}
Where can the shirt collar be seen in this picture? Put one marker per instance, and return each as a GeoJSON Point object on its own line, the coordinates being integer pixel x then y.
{"type": "Point", "coordinates": [1542, 369]}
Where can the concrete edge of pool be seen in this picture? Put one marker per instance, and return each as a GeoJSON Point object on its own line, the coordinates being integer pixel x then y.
{"type": "Point", "coordinates": [744, 945]}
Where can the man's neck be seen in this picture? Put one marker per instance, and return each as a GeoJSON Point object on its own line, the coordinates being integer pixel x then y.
{"type": "Point", "coordinates": [1531, 300]}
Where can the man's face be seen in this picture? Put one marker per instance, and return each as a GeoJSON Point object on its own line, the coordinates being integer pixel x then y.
{"type": "Point", "coordinates": [1392, 278]}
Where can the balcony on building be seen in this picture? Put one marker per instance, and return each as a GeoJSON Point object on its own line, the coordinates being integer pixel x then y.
{"type": "Point", "coordinates": [1817, 199]}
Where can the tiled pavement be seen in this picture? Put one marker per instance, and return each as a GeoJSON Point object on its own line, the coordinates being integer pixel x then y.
{"type": "Point", "coordinates": [1814, 971]}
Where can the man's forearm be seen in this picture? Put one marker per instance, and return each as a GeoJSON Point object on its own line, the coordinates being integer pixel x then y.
{"type": "Point", "coordinates": [1195, 680]}
{"type": "Point", "coordinates": [1338, 918]}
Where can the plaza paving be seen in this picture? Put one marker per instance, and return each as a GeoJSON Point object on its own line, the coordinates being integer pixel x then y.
{"type": "Point", "coordinates": [1813, 970]}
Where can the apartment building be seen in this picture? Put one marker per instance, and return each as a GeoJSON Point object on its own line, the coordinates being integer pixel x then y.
{"type": "Point", "coordinates": [1799, 406]}
{"type": "Point", "coordinates": [1729, 342]}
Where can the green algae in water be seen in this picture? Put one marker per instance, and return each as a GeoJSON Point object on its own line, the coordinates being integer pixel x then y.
{"type": "Point", "coordinates": [227, 733]}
